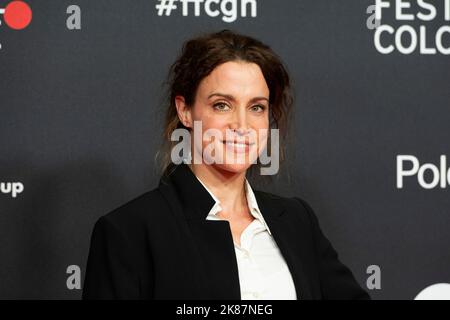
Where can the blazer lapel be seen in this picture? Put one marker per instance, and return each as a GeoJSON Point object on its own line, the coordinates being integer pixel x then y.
{"type": "Point", "coordinates": [212, 240]}
{"type": "Point", "coordinates": [215, 243]}
{"type": "Point", "coordinates": [286, 235]}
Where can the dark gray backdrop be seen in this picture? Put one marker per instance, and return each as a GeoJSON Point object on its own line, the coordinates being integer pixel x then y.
{"type": "Point", "coordinates": [80, 122]}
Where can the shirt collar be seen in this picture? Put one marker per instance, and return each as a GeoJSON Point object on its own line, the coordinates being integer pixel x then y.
{"type": "Point", "coordinates": [251, 202]}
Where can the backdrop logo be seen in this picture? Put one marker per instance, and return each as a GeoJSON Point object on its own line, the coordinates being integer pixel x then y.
{"type": "Point", "coordinates": [438, 291]}
{"type": "Point", "coordinates": [429, 175]}
{"type": "Point", "coordinates": [17, 15]}
{"type": "Point", "coordinates": [11, 188]}
{"type": "Point", "coordinates": [408, 26]}
{"type": "Point", "coordinates": [229, 9]}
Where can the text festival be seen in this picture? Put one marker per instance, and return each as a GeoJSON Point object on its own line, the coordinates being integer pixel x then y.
{"type": "Point", "coordinates": [407, 26]}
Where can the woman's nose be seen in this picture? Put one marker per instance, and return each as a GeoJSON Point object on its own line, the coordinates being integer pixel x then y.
{"type": "Point", "coordinates": [239, 123]}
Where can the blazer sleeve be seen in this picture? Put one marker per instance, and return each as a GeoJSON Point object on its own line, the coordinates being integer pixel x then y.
{"type": "Point", "coordinates": [110, 272]}
{"type": "Point", "coordinates": [336, 279]}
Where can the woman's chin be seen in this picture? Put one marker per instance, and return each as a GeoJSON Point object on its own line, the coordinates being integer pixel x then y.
{"type": "Point", "coordinates": [234, 168]}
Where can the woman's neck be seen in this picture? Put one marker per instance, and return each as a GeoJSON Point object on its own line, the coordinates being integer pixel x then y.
{"type": "Point", "coordinates": [227, 186]}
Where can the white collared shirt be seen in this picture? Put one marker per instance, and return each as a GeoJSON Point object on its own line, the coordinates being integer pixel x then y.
{"type": "Point", "coordinates": [263, 272]}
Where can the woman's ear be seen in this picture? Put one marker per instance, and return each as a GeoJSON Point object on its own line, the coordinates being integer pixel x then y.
{"type": "Point", "coordinates": [184, 112]}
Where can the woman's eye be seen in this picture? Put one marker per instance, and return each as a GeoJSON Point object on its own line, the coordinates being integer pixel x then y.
{"type": "Point", "coordinates": [258, 108]}
{"type": "Point", "coordinates": [221, 107]}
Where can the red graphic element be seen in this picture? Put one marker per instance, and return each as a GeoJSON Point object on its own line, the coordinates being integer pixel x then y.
{"type": "Point", "coordinates": [17, 15]}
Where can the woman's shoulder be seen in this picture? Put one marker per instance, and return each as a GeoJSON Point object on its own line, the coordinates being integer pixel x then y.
{"type": "Point", "coordinates": [133, 213]}
{"type": "Point", "coordinates": [295, 201]}
{"type": "Point", "coordinates": [295, 205]}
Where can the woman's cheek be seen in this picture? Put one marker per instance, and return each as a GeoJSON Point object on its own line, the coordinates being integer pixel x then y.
{"type": "Point", "coordinates": [262, 140]}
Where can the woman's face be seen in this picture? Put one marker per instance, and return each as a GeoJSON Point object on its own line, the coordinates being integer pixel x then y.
{"type": "Point", "coordinates": [232, 103]}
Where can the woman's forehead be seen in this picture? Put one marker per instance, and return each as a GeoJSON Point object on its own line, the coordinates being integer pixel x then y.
{"type": "Point", "coordinates": [237, 79]}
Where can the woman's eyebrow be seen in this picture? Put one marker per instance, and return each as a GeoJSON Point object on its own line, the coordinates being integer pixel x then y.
{"type": "Point", "coordinates": [231, 98]}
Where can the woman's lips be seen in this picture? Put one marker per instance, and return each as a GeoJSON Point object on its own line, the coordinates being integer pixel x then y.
{"type": "Point", "coordinates": [238, 146]}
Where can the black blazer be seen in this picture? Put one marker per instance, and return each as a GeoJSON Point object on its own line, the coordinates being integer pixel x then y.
{"type": "Point", "coordinates": [160, 246]}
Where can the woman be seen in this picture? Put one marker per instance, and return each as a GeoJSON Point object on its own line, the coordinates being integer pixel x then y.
{"type": "Point", "coordinates": [203, 233]}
